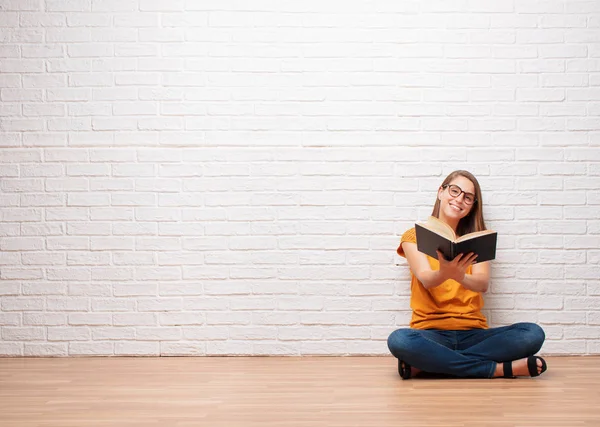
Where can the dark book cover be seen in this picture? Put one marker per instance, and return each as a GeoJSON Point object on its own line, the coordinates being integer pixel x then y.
{"type": "Point", "coordinates": [428, 242]}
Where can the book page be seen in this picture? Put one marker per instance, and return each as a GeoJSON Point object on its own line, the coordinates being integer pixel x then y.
{"type": "Point", "coordinates": [474, 235]}
{"type": "Point", "coordinates": [434, 228]}
{"type": "Point", "coordinates": [439, 226]}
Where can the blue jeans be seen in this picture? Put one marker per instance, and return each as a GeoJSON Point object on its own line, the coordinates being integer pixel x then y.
{"type": "Point", "coordinates": [471, 353]}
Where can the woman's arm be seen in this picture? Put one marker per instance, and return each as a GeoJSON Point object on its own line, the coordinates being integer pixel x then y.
{"type": "Point", "coordinates": [479, 279]}
{"type": "Point", "coordinates": [417, 261]}
{"type": "Point", "coordinates": [456, 269]}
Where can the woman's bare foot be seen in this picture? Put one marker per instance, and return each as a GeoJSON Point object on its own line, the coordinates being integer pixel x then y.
{"type": "Point", "coordinates": [414, 371]}
{"type": "Point", "coordinates": [519, 368]}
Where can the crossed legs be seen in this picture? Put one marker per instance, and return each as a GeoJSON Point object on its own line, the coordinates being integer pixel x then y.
{"type": "Point", "coordinates": [472, 353]}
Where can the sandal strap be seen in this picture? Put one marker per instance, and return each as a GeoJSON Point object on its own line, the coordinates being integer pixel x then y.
{"type": "Point", "coordinates": [532, 365]}
{"type": "Point", "coordinates": [404, 370]}
{"type": "Point", "coordinates": [508, 372]}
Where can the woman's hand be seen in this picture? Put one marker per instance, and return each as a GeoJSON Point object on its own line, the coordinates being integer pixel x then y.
{"type": "Point", "coordinates": [457, 268]}
{"type": "Point", "coordinates": [476, 281]}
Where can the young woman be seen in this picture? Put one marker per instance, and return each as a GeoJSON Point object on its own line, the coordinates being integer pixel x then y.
{"type": "Point", "coordinates": [448, 333]}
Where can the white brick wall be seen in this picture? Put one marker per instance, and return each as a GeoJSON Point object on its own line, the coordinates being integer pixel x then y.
{"type": "Point", "coordinates": [210, 177]}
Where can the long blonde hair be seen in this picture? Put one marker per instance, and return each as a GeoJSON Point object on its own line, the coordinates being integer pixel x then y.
{"type": "Point", "coordinates": [474, 220]}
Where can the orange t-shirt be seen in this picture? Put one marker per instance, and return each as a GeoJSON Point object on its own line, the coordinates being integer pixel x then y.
{"type": "Point", "coordinates": [448, 306]}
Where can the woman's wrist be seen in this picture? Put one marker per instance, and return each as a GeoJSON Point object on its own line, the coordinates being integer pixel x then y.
{"type": "Point", "coordinates": [473, 283]}
{"type": "Point", "coordinates": [432, 278]}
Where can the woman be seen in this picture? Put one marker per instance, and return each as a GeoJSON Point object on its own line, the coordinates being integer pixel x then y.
{"type": "Point", "coordinates": [449, 334]}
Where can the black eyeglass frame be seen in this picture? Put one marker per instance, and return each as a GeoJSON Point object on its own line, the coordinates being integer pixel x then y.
{"type": "Point", "coordinates": [461, 192]}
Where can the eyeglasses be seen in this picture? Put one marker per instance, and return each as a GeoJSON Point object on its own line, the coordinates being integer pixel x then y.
{"type": "Point", "coordinates": [456, 191]}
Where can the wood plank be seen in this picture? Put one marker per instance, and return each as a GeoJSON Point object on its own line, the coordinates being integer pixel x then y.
{"type": "Point", "coordinates": [286, 391]}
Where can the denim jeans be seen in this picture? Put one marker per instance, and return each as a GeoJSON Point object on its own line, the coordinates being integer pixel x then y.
{"type": "Point", "coordinates": [471, 353]}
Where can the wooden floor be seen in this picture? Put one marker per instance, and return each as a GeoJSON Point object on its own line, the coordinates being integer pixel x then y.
{"type": "Point", "coordinates": [286, 391]}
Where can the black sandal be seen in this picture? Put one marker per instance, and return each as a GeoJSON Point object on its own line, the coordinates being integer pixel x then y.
{"type": "Point", "coordinates": [404, 370]}
{"type": "Point", "coordinates": [531, 367]}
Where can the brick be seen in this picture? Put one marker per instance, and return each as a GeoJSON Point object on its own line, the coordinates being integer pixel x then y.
{"type": "Point", "coordinates": [93, 348]}
{"type": "Point", "coordinates": [78, 333]}
{"type": "Point", "coordinates": [10, 319]}
{"type": "Point", "coordinates": [23, 333]}
{"type": "Point", "coordinates": [45, 350]}
{"type": "Point", "coordinates": [137, 348]}
{"type": "Point", "coordinates": [44, 319]}
{"type": "Point", "coordinates": [11, 349]}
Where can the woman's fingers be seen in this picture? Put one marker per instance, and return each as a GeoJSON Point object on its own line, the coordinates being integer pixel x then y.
{"type": "Point", "coordinates": [469, 259]}
{"type": "Point", "coordinates": [441, 256]}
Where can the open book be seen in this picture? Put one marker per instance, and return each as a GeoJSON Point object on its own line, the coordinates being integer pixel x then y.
{"type": "Point", "coordinates": [436, 234]}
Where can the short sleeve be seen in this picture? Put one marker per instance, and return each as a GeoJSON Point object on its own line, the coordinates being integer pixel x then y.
{"type": "Point", "coordinates": [409, 236]}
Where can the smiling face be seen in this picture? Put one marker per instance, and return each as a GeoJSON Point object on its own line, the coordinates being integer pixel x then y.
{"type": "Point", "coordinates": [452, 203]}
{"type": "Point", "coordinates": [454, 208]}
